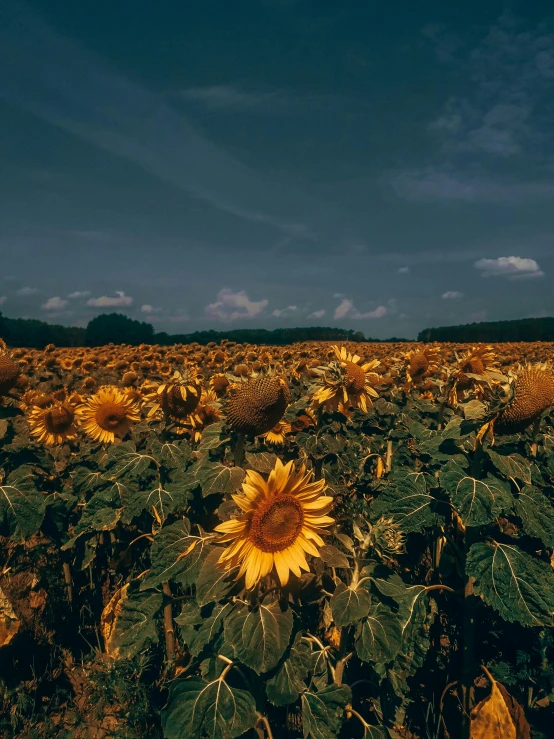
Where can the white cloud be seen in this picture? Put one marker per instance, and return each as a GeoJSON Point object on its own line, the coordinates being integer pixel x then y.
{"type": "Point", "coordinates": [403, 270]}
{"type": "Point", "coordinates": [149, 309]}
{"type": "Point", "coordinates": [54, 304]}
{"type": "Point", "coordinates": [282, 312]}
{"type": "Point", "coordinates": [25, 291]}
{"type": "Point", "coordinates": [78, 294]}
{"type": "Point", "coordinates": [346, 308]}
{"type": "Point", "coordinates": [230, 306]}
{"type": "Point", "coordinates": [451, 295]}
{"type": "Point", "coordinates": [107, 302]}
{"type": "Point", "coordinates": [317, 313]}
{"type": "Point", "coordinates": [511, 267]}
{"type": "Point", "coordinates": [3, 299]}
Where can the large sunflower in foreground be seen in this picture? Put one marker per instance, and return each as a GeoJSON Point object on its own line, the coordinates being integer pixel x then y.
{"type": "Point", "coordinates": [281, 521]}
{"type": "Point", "coordinates": [54, 423]}
{"type": "Point", "coordinates": [345, 383]}
{"type": "Point", "coordinates": [108, 413]}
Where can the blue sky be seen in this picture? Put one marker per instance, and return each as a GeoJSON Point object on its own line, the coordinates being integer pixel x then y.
{"type": "Point", "coordinates": [378, 166]}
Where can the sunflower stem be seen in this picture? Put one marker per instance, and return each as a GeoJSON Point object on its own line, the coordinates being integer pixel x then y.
{"type": "Point", "coordinates": [68, 581]}
{"type": "Point", "coordinates": [239, 450]}
{"type": "Point", "coordinates": [388, 458]}
{"type": "Point", "coordinates": [168, 627]}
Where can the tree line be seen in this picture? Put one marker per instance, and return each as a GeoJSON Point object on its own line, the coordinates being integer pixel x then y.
{"type": "Point", "coordinates": [524, 329]}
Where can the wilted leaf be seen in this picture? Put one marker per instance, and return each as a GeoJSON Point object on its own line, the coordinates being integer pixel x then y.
{"type": "Point", "coordinates": [349, 605]}
{"type": "Point", "coordinates": [260, 636]}
{"type": "Point", "coordinates": [518, 586]}
{"type": "Point", "coordinates": [128, 621]}
{"type": "Point", "coordinates": [322, 712]}
{"type": "Point", "coordinates": [9, 623]}
{"type": "Point", "coordinates": [490, 719]}
{"type": "Point", "coordinates": [196, 708]}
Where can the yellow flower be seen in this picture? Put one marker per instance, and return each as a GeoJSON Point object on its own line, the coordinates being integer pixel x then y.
{"type": "Point", "coordinates": [281, 521]}
{"type": "Point", "coordinates": [178, 398]}
{"type": "Point", "coordinates": [277, 434]}
{"type": "Point", "coordinates": [344, 383]}
{"type": "Point", "coordinates": [107, 414]}
{"type": "Point", "coordinates": [53, 424]}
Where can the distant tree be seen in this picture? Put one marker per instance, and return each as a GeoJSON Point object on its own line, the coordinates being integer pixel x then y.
{"type": "Point", "coordinates": [525, 329]}
{"type": "Point", "coordinates": [115, 328]}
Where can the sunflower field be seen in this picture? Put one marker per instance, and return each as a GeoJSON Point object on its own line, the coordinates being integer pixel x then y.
{"type": "Point", "coordinates": [310, 541]}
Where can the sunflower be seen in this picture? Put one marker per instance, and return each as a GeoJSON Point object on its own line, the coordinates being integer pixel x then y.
{"type": "Point", "coordinates": [277, 434]}
{"type": "Point", "coordinates": [178, 398]}
{"type": "Point", "coordinates": [208, 411]}
{"type": "Point", "coordinates": [281, 521]}
{"type": "Point", "coordinates": [53, 424]}
{"type": "Point", "coordinates": [107, 414]}
{"type": "Point", "coordinates": [344, 383]}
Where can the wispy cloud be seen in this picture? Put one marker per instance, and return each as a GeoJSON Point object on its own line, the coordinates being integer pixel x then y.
{"type": "Point", "coordinates": [452, 295]}
{"type": "Point", "coordinates": [24, 292]}
{"type": "Point", "coordinates": [121, 300]}
{"type": "Point", "coordinates": [510, 267]}
{"type": "Point", "coordinates": [317, 313]}
{"type": "Point", "coordinates": [78, 294]}
{"type": "Point", "coordinates": [290, 310]}
{"type": "Point", "coordinates": [146, 308]}
{"type": "Point", "coordinates": [236, 99]}
{"type": "Point", "coordinates": [70, 88]}
{"type": "Point", "coordinates": [231, 306]}
{"type": "Point", "coordinates": [346, 308]}
{"type": "Point", "coordinates": [3, 299]}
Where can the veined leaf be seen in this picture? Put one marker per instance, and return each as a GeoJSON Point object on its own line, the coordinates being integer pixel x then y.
{"type": "Point", "coordinates": [349, 605]}
{"type": "Point", "coordinates": [209, 628]}
{"type": "Point", "coordinates": [478, 502]}
{"type": "Point", "coordinates": [512, 465]}
{"type": "Point", "coordinates": [288, 682]}
{"type": "Point", "coordinates": [213, 581]}
{"type": "Point", "coordinates": [378, 636]}
{"type": "Point", "coordinates": [518, 586]}
{"type": "Point", "coordinates": [262, 462]}
{"type": "Point", "coordinates": [211, 438]}
{"type": "Point", "coordinates": [537, 514]}
{"type": "Point", "coordinates": [21, 504]}
{"type": "Point", "coordinates": [333, 556]}
{"type": "Point", "coordinates": [407, 499]}
{"type": "Point", "coordinates": [322, 712]}
{"type": "Point", "coordinates": [171, 454]}
{"type": "Point", "coordinates": [175, 555]}
{"type": "Point", "coordinates": [260, 636]}
{"type": "Point", "coordinates": [124, 459]}
{"type": "Point", "coordinates": [214, 710]}
{"type": "Point", "coordinates": [217, 478]}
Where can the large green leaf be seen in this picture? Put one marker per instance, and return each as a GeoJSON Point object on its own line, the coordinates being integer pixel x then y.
{"type": "Point", "coordinates": [407, 499]}
{"type": "Point", "coordinates": [518, 586]}
{"type": "Point", "coordinates": [170, 454]}
{"type": "Point", "coordinates": [477, 502]}
{"type": "Point", "coordinates": [207, 710]}
{"type": "Point", "coordinates": [263, 462]}
{"type": "Point", "coordinates": [217, 478]}
{"type": "Point", "coordinates": [213, 581]}
{"type": "Point", "coordinates": [288, 682]}
{"type": "Point", "coordinates": [379, 635]}
{"type": "Point", "coordinates": [322, 712]}
{"type": "Point", "coordinates": [209, 629]}
{"type": "Point", "coordinates": [537, 514]}
{"type": "Point", "coordinates": [21, 504]}
{"type": "Point", "coordinates": [260, 636]}
{"type": "Point", "coordinates": [175, 555]}
{"type": "Point", "coordinates": [349, 605]}
{"type": "Point", "coordinates": [512, 465]}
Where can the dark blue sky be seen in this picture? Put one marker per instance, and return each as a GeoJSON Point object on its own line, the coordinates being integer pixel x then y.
{"type": "Point", "coordinates": [378, 166]}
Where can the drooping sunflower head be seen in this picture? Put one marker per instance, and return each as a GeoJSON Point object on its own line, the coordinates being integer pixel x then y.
{"type": "Point", "coordinates": [54, 423]}
{"type": "Point", "coordinates": [344, 383]}
{"type": "Point", "coordinates": [282, 520]}
{"type": "Point", "coordinates": [208, 411]}
{"type": "Point", "coordinates": [420, 363]}
{"type": "Point", "coordinates": [476, 361]}
{"type": "Point", "coordinates": [178, 398]}
{"type": "Point", "coordinates": [9, 372]}
{"type": "Point", "coordinates": [108, 414]}
{"type": "Point", "coordinates": [533, 393]}
{"type": "Point", "coordinates": [256, 406]}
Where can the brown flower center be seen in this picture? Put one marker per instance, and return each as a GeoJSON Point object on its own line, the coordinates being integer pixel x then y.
{"type": "Point", "coordinates": [355, 377]}
{"type": "Point", "coordinates": [174, 404]}
{"type": "Point", "coordinates": [110, 416]}
{"type": "Point", "coordinates": [58, 420]}
{"type": "Point", "coordinates": [276, 523]}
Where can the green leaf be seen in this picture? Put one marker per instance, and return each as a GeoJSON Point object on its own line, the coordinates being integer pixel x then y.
{"type": "Point", "coordinates": [188, 619]}
{"type": "Point", "coordinates": [175, 555]}
{"type": "Point", "coordinates": [478, 502]}
{"type": "Point", "coordinates": [537, 514]}
{"type": "Point", "coordinates": [518, 586]}
{"type": "Point", "coordinates": [171, 454]}
{"type": "Point", "coordinates": [211, 438]}
{"type": "Point", "coordinates": [378, 637]}
{"type": "Point", "coordinates": [333, 556]}
{"type": "Point", "coordinates": [407, 499]}
{"type": "Point", "coordinates": [262, 462]}
{"type": "Point", "coordinates": [217, 478]}
{"type": "Point", "coordinates": [133, 624]}
{"type": "Point", "coordinates": [322, 712]}
{"type": "Point", "coordinates": [349, 605]}
{"type": "Point", "coordinates": [200, 709]}
{"type": "Point", "coordinates": [512, 466]}
{"type": "Point", "coordinates": [213, 582]}
{"type": "Point", "coordinates": [101, 513]}
{"type": "Point", "coordinates": [260, 636]}
{"type": "Point", "coordinates": [288, 682]}
{"type": "Point", "coordinates": [124, 459]}
{"type": "Point", "coordinates": [209, 629]}
{"type": "Point", "coordinates": [21, 504]}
